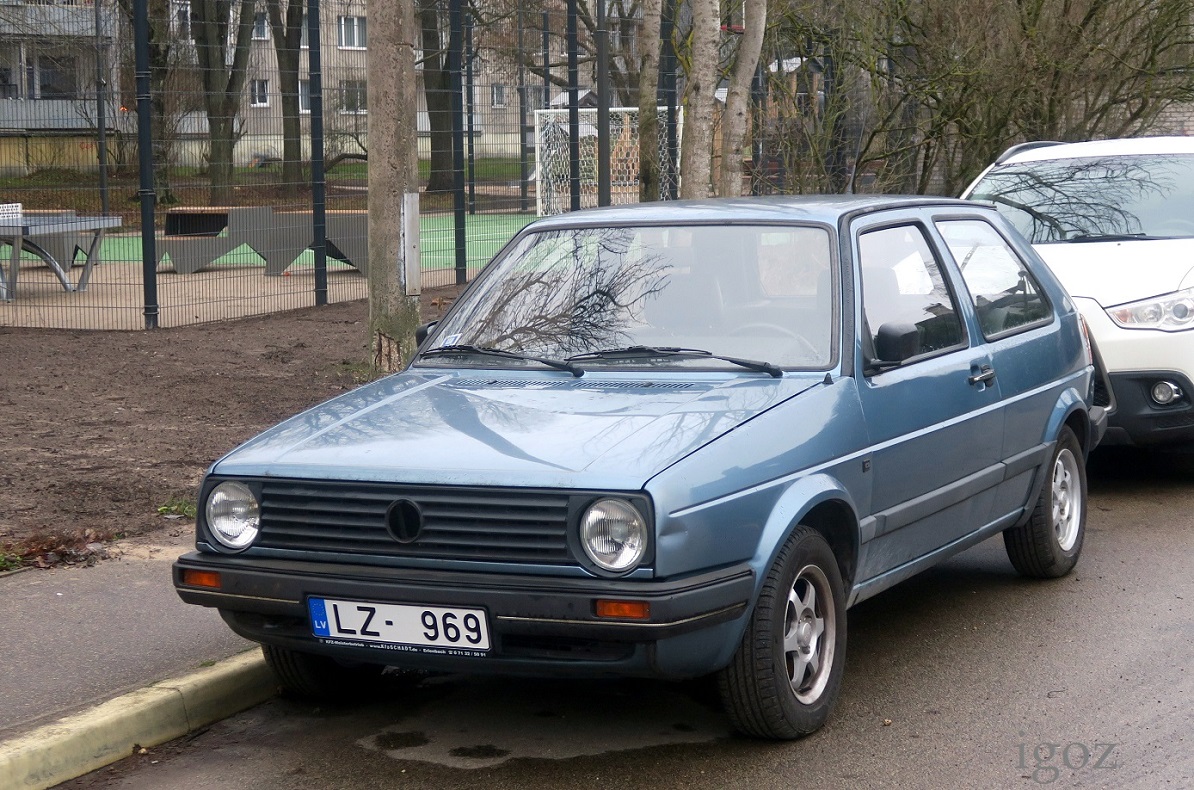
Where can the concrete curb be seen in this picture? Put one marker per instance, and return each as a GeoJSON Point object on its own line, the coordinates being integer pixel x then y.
{"type": "Point", "coordinates": [75, 745]}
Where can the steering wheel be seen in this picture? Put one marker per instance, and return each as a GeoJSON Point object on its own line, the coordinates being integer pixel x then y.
{"type": "Point", "coordinates": [754, 328]}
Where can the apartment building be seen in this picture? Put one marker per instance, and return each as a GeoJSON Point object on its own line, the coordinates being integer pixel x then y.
{"type": "Point", "coordinates": [53, 54]}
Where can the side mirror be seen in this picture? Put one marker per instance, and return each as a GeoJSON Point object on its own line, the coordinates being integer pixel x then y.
{"type": "Point", "coordinates": [423, 330]}
{"type": "Point", "coordinates": [896, 343]}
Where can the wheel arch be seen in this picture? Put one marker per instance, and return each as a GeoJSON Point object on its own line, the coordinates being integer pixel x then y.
{"type": "Point", "coordinates": [824, 504]}
{"type": "Point", "coordinates": [1070, 411]}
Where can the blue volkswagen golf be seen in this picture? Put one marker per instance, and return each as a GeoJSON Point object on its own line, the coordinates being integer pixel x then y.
{"type": "Point", "coordinates": [668, 440]}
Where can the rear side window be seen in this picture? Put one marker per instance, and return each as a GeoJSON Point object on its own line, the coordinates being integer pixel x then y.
{"type": "Point", "coordinates": [1006, 296]}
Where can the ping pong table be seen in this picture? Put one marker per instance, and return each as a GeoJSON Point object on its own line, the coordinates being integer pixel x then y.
{"type": "Point", "coordinates": [22, 233]}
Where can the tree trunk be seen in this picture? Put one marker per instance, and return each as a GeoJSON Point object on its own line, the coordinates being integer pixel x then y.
{"type": "Point", "coordinates": [436, 90]}
{"type": "Point", "coordinates": [220, 161]}
{"type": "Point", "coordinates": [223, 84]}
{"type": "Point", "coordinates": [733, 125]}
{"type": "Point", "coordinates": [697, 146]}
{"type": "Point", "coordinates": [393, 186]}
{"type": "Point", "coordinates": [648, 102]}
{"type": "Point", "coordinates": [288, 37]}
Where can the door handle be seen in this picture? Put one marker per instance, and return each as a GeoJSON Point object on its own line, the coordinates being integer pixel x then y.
{"type": "Point", "coordinates": [985, 373]}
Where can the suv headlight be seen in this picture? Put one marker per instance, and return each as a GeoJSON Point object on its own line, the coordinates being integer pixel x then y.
{"type": "Point", "coordinates": [1172, 313]}
{"type": "Point", "coordinates": [614, 535]}
{"type": "Point", "coordinates": [233, 514]}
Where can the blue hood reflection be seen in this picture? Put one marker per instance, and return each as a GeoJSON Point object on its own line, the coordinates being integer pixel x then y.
{"type": "Point", "coordinates": [495, 428]}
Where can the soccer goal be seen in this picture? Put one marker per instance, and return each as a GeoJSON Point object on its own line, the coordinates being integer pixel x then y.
{"type": "Point", "coordinates": [552, 192]}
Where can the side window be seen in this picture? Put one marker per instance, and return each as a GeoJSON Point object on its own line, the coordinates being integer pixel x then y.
{"type": "Point", "coordinates": [1006, 295]}
{"type": "Point", "coordinates": [902, 283]}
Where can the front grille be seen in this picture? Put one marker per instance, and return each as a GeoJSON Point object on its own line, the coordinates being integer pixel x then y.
{"type": "Point", "coordinates": [1184, 420]}
{"type": "Point", "coordinates": [494, 525]}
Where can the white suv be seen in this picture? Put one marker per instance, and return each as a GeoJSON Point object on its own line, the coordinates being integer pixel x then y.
{"type": "Point", "coordinates": [1114, 219]}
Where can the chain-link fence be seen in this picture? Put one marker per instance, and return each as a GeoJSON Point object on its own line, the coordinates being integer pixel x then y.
{"type": "Point", "coordinates": [245, 128]}
{"type": "Point", "coordinates": [235, 154]}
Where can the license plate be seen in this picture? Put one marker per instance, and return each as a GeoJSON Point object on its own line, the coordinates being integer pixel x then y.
{"type": "Point", "coordinates": [403, 627]}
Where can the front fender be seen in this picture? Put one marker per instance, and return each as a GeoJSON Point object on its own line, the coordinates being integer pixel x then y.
{"type": "Point", "coordinates": [801, 498]}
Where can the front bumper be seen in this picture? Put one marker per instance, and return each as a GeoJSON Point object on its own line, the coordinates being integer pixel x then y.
{"type": "Point", "coordinates": [1135, 359]}
{"type": "Point", "coordinates": [1139, 421]}
{"type": "Point", "coordinates": [538, 625]}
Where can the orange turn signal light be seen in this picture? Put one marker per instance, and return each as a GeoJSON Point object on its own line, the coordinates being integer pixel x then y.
{"type": "Point", "coordinates": [196, 578]}
{"type": "Point", "coordinates": [624, 610]}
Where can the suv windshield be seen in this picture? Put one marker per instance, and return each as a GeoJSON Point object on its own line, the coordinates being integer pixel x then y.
{"type": "Point", "coordinates": [1095, 198]}
{"type": "Point", "coordinates": [749, 292]}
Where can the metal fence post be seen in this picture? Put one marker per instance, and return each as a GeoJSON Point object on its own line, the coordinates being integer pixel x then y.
{"type": "Point", "coordinates": [455, 79]}
{"type": "Point", "coordinates": [602, 36]}
{"type": "Point", "coordinates": [318, 177]}
{"type": "Point", "coordinates": [573, 107]}
{"type": "Point", "coordinates": [146, 193]}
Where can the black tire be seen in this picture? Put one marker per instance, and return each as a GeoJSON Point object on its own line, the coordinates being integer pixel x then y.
{"type": "Point", "coordinates": [1048, 544]}
{"type": "Point", "coordinates": [318, 678]}
{"type": "Point", "coordinates": [803, 591]}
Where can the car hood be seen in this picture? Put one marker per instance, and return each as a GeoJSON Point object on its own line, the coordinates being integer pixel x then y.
{"type": "Point", "coordinates": [1118, 272]}
{"type": "Point", "coordinates": [487, 428]}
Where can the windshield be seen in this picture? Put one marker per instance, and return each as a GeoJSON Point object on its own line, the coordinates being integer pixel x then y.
{"type": "Point", "coordinates": [752, 292]}
{"type": "Point", "coordinates": [1139, 196]}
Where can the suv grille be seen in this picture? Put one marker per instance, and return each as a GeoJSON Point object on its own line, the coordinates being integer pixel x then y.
{"type": "Point", "coordinates": [497, 525]}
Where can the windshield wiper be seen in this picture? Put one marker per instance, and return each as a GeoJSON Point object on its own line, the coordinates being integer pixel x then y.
{"type": "Point", "coordinates": [558, 364]}
{"type": "Point", "coordinates": [1081, 237]}
{"type": "Point", "coordinates": [675, 351]}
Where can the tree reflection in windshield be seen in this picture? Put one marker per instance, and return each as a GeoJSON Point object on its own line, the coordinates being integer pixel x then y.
{"type": "Point", "coordinates": [564, 292]}
{"type": "Point", "coordinates": [1060, 199]}
{"type": "Point", "coordinates": [756, 292]}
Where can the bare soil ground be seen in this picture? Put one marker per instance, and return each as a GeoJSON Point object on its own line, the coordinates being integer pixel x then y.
{"type": "Point", "coordinates": [107, 434]}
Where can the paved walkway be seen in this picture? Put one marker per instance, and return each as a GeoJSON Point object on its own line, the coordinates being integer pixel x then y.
{"type": "Point", "coordinates": [75, 636]}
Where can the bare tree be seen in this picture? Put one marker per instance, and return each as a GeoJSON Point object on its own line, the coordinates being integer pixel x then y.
{"type": "Point", "coordinates": [286, 19]}
{"type": "Point", "coordinates": [733, 132]}
{"type": "Point", "coordinates": [393, 186]}
{"type": "Point", "coordinates": [218, 25]}
{"type": "Point", "coordinates": [437, 93]}
{"type": "Point", "coordinates": [648, 116]}
{"type": "Point", "coordinates": [701, 61]}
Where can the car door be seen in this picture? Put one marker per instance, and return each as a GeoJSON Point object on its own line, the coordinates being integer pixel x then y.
{"type": "Point", "coordinates": [935, 421]}
{"type": "Point", "coordinates": [1015, 317]}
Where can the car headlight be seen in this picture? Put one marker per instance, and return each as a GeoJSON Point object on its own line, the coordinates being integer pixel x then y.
{"type": "Point", "coordinates": [614, 535]}
{"type": "Point", "coordinates": [1172, 313]}
{"type": "Point", "coordinates": [233, 514]}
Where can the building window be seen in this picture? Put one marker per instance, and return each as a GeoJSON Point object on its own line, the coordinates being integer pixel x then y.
{"type": "Point", "coordinates": [303, 43]}
{"type": "Point", "coordinates": [497, 95]}
{"type": "Point", "coordinates": [56, 78]}
{"type": "Point", "coordinates": [305, 96]}
{"type": "Point", "coordinates": [351, 32]}
{"type": "Point", "coordinates": [260, 26]}
{"type": "Point", "coordinates": [8, 85]}
{"type": "Point", "coordinates": [259, 93]}
{"type": "Point", "coordinates": [535, 97]}
{"type": "Point", "coordinates": [354, 96]}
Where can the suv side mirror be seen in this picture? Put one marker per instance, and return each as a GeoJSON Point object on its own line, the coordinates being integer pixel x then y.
{"type": "Point", "coordinates": [423, 330]}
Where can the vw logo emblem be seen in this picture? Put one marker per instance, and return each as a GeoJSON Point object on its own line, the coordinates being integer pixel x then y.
{"type": "Point", "coordinates": [404, 520]}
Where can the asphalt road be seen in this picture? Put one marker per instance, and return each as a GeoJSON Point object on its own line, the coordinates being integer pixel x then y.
{"type": "Point", "coordinates": [966, 676]}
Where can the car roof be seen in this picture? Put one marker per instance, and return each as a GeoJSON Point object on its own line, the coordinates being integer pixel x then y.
{"type": "Point", "coordinates": [1127, 146]}
{"type": "Point", "coordinates": [826, 209]}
